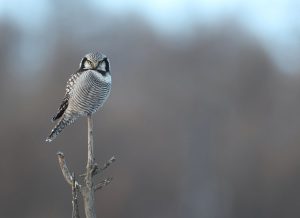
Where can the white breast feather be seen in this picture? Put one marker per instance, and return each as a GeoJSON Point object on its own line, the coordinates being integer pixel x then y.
{"type": "Point", "coordinates": [106, 78]}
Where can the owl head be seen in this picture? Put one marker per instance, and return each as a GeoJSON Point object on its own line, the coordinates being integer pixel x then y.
{"type": "Point", "coordinates": [95, 61]}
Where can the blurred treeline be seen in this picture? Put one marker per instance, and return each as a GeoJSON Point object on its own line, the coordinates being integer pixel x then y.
{"type": "Point", "coordinates": [205, 126]}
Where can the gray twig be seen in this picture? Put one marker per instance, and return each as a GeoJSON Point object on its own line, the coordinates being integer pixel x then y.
{"type": "Point", "coordinates": [108, 163]}
{"type": "Point", "coordinates": [64, 168]}
{"type": "Point", "coordinates": [103, 183]}
{"type": "Point", "coordinates": [104, 167]}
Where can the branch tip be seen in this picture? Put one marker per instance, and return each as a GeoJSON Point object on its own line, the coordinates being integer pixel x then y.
{"type": "Point", "coordinates": [113, 159]}
{"type": "Point", "coordinates": [103, 183]}
{"type": "Point", "coordinates": [108, 163]}
{"type": "Point", "coordinates": [59, 153]}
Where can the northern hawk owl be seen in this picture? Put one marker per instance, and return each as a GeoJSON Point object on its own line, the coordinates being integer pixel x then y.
{"type": "Point", "coordinates": [86, 91]}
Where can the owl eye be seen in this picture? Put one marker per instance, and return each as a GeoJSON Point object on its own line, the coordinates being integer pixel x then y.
{"type": "Point", "coordinates": [88, 64]}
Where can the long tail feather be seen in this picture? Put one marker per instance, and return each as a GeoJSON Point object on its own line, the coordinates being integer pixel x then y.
{"type": "Point", "coordinates": [65, 121]}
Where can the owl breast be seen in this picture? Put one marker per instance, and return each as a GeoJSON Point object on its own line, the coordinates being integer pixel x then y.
{"type": "Point", "coordinates": [89, 92]}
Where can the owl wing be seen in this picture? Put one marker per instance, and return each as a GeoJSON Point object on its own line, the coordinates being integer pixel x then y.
{"type": "Point", "coordinates": [63, 106]}
{"type": "Point", "coordinates": [65, 102]}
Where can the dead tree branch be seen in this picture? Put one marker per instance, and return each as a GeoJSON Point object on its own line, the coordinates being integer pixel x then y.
{"type": "Point", "coordinates": [88, 188]}
{"type": "Point", "coordinates": [102, 184]}
{"type": "Point", "coordinates": [88, 193]}
{"type": "Point", "coordinates": [65, 170]}
{"type": "Point", "coordinates": [75, 189]}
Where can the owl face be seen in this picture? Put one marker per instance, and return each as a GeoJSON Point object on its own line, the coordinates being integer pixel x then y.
{"type": "Point", "coordinates": [95, 61]}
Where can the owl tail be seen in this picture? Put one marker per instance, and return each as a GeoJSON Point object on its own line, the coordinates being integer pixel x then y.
{"type": "Point", "coordinates": [65, 121]}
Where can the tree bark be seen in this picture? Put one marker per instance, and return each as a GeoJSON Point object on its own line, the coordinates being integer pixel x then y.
{"type": "Point", "coordinates": [88, 191]}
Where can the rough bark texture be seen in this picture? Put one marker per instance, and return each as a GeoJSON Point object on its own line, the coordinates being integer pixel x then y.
{"type": "Point", "coordinates": [88, 189]}
{"type": "Point", "coordinates": [88, 193]}
{"type": "Point", "coordinates": [75, 210]}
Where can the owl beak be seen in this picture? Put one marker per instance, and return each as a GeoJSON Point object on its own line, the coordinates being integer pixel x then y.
{"type": "Point", "coordinates": [94, 65]}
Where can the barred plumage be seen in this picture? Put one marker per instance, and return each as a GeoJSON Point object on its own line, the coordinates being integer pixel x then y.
{"type": "Point", "coordinates": [86, 91]}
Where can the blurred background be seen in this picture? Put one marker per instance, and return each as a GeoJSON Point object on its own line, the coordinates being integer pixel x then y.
{"type": "Point", "coordinates": [203, 116]}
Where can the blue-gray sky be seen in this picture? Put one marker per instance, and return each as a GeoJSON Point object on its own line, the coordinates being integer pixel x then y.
{"type": "Point", "coordinates": [275, 22]}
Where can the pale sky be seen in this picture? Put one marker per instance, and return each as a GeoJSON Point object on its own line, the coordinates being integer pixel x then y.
{"type": "Point", "coordinates": [275, 22]}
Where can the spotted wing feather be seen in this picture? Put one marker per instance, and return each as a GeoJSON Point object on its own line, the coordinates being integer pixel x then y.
{"type": "Point", "coordinates": [65, 102]}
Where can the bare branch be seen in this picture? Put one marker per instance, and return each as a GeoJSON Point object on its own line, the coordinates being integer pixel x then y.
{"type": "Point", "coordinates": [108, 163]}
{"type": "Point", "coordinates": [102, 184]}
{"type": "Point", "coordinates": [91, 156]}
{"type": "Point", "coordinates": [104, 167]}
{"type": "Point", "coordinates": [88, 191]}
{"type": "Point", "coordinates": [64, 168]}
{"type": "Point", "coordinates": [75, 190]}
